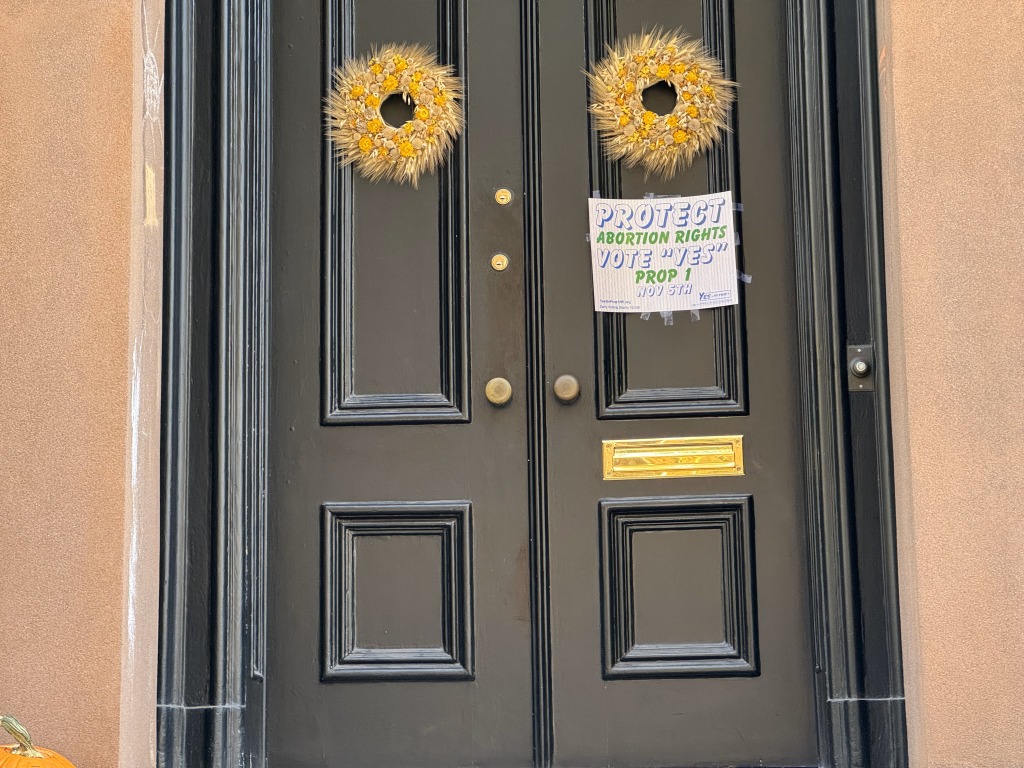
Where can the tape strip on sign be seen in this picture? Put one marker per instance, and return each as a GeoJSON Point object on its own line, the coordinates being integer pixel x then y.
{"type": "Point", "coordinates": [663, 254]}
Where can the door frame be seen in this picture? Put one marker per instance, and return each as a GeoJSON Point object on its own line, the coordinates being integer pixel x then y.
{"type": "Point", "coordinates": [212, 693]}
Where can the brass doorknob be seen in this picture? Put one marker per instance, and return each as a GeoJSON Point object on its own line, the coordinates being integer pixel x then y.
{"type": "Point", "coordinates": [498, 391]}
{"type": "Point", "coordinates": [567, 388]}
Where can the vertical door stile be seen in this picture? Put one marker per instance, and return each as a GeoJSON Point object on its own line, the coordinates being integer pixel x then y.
{"type": "Point", "coordinates": [543, 736]}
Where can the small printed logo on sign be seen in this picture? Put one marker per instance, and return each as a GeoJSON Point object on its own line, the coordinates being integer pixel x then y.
{"type": "Point", "coordinates": [706, 296]}
{"type": "Point", "coordinates": [663, 254]}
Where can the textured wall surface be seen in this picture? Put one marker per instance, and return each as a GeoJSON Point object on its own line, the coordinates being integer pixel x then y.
{"type": "Point", "coordinates": [953, 116]}
{"type": "Point", "coordinates": [79, 375]}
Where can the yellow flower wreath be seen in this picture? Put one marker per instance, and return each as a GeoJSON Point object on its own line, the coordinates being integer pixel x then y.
{"type": "Point", "coordinates": [362, 137]}
{"type": "Point", "coordinates": [659, 143]}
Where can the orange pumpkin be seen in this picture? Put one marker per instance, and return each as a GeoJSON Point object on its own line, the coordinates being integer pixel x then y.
{"type": "Point", "coordinates": [23, 754]}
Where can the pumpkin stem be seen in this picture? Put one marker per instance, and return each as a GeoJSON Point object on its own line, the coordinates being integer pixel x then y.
{"type": "Point", "coordinates": [17, 730]}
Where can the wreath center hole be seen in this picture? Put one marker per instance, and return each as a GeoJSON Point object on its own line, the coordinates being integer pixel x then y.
{"type": "Point", "coordinates": [396, 111]}
{"type": "Point", "coordinates": [660, 98]}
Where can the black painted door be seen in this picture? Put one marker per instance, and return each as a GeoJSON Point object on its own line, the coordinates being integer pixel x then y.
{"type": "Point", "coordinates": [452, 583]}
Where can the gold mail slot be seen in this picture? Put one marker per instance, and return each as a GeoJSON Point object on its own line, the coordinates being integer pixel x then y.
{"type": "Point", "coordinates": [673, 457]}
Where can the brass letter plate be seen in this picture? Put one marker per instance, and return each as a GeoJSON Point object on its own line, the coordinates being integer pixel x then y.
{"type": "Point", "coordinates": [673, 457]}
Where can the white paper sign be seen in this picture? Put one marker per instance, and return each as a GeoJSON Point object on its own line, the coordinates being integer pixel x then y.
{"type": "Point", "coordinates": [663, 254]}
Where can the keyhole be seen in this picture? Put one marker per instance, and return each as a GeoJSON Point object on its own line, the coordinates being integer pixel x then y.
{"type": "Point", "coordinates": [396, 111]}
{"type": "Point", "coordinates": [659, 98]}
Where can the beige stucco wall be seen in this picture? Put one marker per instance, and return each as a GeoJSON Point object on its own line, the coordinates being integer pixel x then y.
{"type": "Point", "coordinates": [79, 375]}
{"type": "Point", "coordinates": [953, 118]}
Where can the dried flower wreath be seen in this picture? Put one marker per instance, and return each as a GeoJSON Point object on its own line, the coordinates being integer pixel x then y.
{"type": "Point", "coordinates": [360, 134]}
{"type": "Point", "coordinates": [661, 144]}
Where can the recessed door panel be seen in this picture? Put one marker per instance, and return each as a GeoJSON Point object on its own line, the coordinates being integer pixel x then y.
{"type": "Point", "coordinates": [394, 278]}
{"type": "Point", "coordinates": [397, 591]}
{"type": "Point", "coordinates": [677, 583]}
{"type": "Point", "coordinates": [706, 369]}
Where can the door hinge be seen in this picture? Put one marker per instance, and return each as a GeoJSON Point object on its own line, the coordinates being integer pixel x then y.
{"type": "Point", "coordinates": [860, 367]}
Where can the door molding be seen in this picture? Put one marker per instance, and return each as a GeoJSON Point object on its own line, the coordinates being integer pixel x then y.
{"type": "Point", "coordinates": [211, 701]}
{"type": "Point", "coordinates": [861, 709]}
{"type": "Point", "coordinates": [536, 400]}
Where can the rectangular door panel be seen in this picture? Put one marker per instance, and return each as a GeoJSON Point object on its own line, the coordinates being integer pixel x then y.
{"type": "Point", "coordinates": [677, 587]}
{"type": "Point", "coordinates": [395, 343]}
{"type": "Point", "coordinates": [706, 370]}
{"type": "Point", "coordinates": [397, 583]}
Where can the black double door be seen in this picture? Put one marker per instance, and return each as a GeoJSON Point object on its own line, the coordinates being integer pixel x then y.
{"type": "Point", "coordinates": [453, 583]}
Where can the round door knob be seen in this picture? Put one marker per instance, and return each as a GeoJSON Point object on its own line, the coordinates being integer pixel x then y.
{"type": "Point", "coordinates": [567, 388]}
{"type": "Point", "coordinates": [498, 391]}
